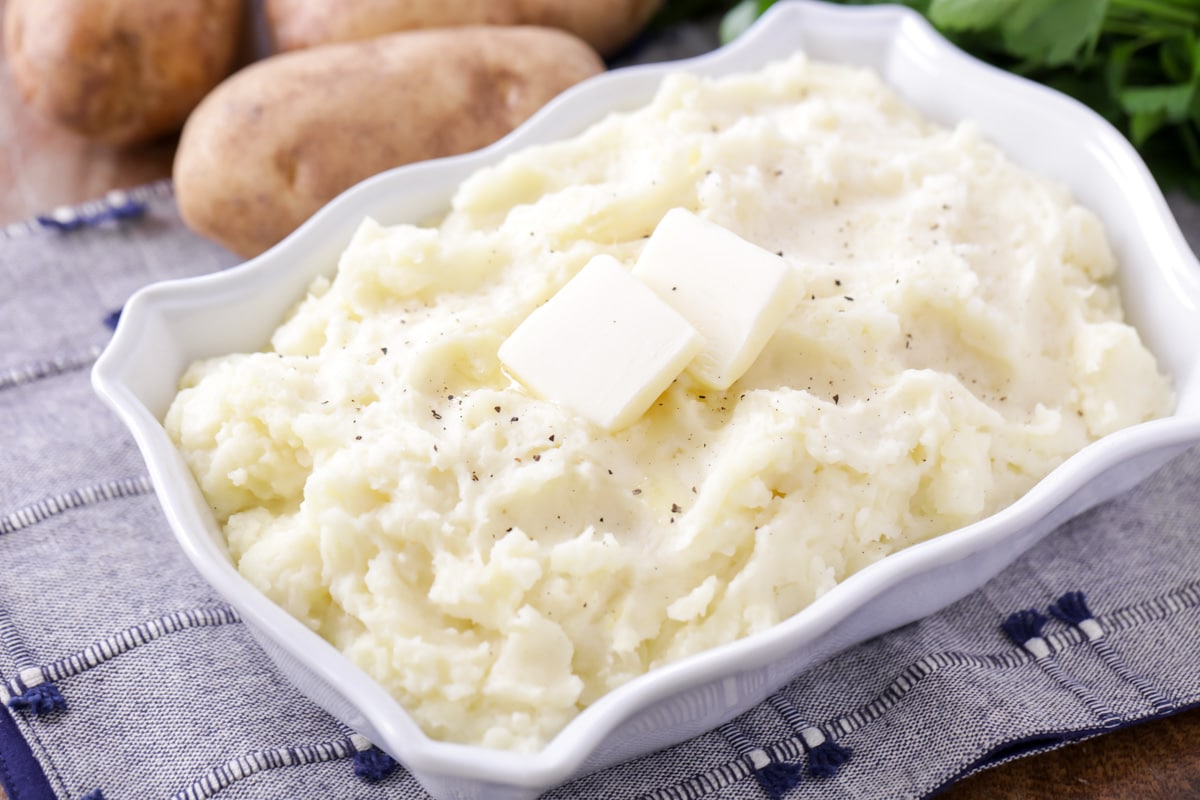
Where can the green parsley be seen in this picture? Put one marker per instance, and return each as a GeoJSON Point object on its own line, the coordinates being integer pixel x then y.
{"type": "Point", "coordinates": [1136, 62]}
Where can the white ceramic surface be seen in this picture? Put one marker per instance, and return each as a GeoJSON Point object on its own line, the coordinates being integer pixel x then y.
{"type": "Point", "coordinates": [165, 326]}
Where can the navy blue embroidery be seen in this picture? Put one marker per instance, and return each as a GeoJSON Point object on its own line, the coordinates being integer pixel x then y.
{"type": "Point", "coordinates": [220, 777]}
{"type": "Point", "coordinates": [30, 690]}
{"type": "Point", "coordinates": [825, 756]}
{"type": "Point", "coordinates": [116, 206]}
{"type": "Point", "coordinates": [775, 777]}
{"type": "Point", "coordinates": [1072, 608]}
{"type": "Point", "coordinates": [16, 690]}
{"type": "Point", "coordinates": [94, 794]}
{"type": "Point", "coordinates": [372, 764]}
{"type": "Point", "coordinates": [142, 194]}
{"type": "Point", "coordinates": [43, 698]}
{"type": "Point", "coordinates": [728, 772]}
{"type": "Point", "coordinates": [1024, 626]}
{"type": "Point", "coordinates": [1025, 629]}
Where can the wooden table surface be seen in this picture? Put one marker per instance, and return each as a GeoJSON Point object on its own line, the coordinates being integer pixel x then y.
{"type": "Point", "coordinates": [42, 167]}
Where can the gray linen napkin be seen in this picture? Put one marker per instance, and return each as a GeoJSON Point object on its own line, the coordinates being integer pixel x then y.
{"type": "Point", "coordinates": [126, 677]}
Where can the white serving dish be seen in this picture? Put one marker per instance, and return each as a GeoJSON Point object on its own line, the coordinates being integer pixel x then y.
{"type": "Point", "coordinates": [166, 326]}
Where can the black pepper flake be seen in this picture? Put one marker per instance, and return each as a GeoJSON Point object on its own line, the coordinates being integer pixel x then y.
{"type": "Point", "coordinates": [693, 490]}
{"type": "Point", "coordinates": [436, 415]}
{"type": "Point", "coordinates": [675, 509]}
{"type": "Point", "coordinates": [552, 437]}
{"type": "Point", "coordinates": [512, 419]}
{"type": "Point", "coordinates": [779, 253]}
{"type": "Point", "coordinates": [474, 477]}
{"type": "Point", "coordinates": [837, 282]}
{"type": "Point", "coordinates": [435, 448]}
{"type": "Point", "coordinates": [848, 297]}
{"type": "Point", "coordinates": [497, 409]}
{"type": "Point", "coordinates": [835, 399]}
{"type": "Point", "coordinates": [383, 350]}
{"type": "Point", "coordinates": [637, 491]}
{"type": "Point", "coordinates": [537, 457]}
{"type": "Point", "coordinates": [358, 438]}
{"type": "Point", "coordinates": [610, 472]}
{"type": "Point", "coordinates": [508, 530]}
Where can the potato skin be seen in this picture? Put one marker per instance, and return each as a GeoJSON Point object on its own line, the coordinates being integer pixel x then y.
{"type": "Point", "coordinates": [281, 138]}
{"type": "Point", "coordinates": [120, 72]}
{"type": "Point", "coordinates": [604, 24]}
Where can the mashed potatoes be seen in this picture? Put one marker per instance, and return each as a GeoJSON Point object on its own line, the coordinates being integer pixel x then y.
{"type": "Point", "coordinates": [498, 564]}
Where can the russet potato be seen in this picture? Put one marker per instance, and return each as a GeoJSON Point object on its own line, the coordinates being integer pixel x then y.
{"type": "Point", "coordinates": [120, 72]}
{"type": "Point", "coordinates": [279, 139]}
{"type": "Point", "coordinates": [604, 24]}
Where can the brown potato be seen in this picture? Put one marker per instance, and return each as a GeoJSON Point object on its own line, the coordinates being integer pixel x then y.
{"type": "Point", "coordinates": [279, 139]}
{"type": "Point", "coordinates": [604, 24]}
{"type": "Point", "coordinates": [119, 71]}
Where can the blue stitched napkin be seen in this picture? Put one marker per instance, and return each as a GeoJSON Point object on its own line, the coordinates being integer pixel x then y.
{"type": "Point", "coordinates": [124, 675]}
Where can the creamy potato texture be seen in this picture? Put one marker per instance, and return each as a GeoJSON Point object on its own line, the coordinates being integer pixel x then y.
{"type": "Point", "coordinates": [498, 564]}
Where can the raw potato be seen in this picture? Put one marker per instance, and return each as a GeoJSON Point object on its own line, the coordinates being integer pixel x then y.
{"type": "Point", "coordinates": [284, 136]}
{"type": "Point", "coordinates": [604, 24]}
{"type": "Point", "coordinates": [119, 71]}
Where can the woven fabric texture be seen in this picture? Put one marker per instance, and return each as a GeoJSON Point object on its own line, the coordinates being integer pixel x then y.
{"type": "Point", "coordinates": [123, 672]}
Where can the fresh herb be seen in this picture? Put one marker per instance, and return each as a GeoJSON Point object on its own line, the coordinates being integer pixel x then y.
{"type": "Point", "coordinates": [1136, 62]}
{"type": "Point", "coordinates": [676, 12]}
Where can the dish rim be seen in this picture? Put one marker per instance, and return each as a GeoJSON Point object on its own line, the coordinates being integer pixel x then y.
{"type": "Point", "coordinates": [563, 755]}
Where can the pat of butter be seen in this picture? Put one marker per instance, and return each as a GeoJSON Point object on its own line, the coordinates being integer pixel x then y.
{"type": "Point", "coordinates": [605, 346]}
{"type": "Point", "coordinates": [733, 292]}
